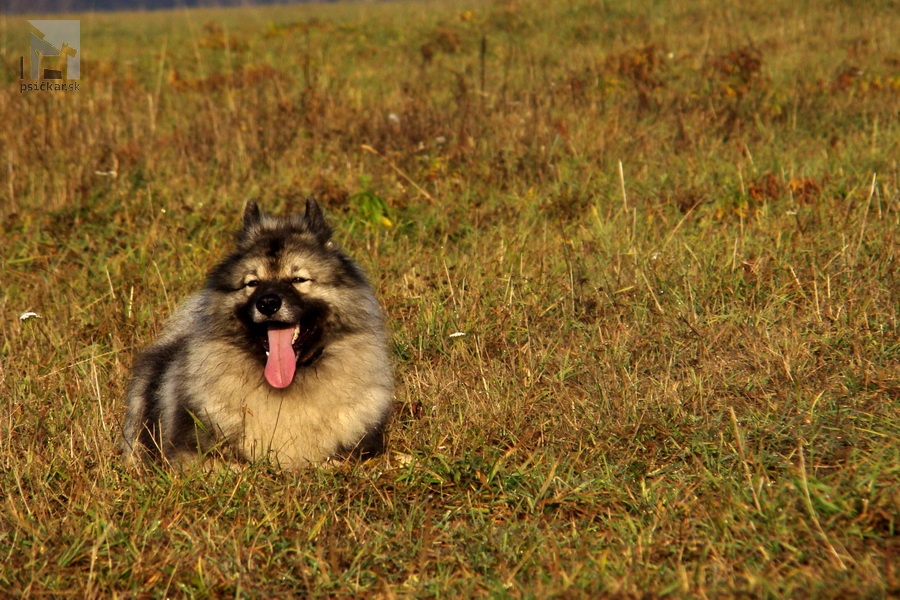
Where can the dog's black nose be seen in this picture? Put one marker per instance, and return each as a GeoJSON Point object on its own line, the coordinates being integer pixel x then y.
{"type": "Point", "coordinates": [268, 304]}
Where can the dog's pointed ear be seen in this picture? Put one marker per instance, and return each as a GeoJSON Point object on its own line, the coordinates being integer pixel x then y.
{"type": "Point", "coordinates": [252, 214]}
{"type": "Point", "coordinates": [315, 221]}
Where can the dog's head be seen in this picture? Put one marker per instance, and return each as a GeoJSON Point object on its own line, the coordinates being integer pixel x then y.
{"type": "Point", "coordinates": [287, 291]}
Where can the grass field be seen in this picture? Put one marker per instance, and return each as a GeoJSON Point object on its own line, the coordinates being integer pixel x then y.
{"type": "Point", "coordinates": [669, 232]}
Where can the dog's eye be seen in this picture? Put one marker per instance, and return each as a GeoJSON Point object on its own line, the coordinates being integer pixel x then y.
{"type": "Point", "coordinates": [252, 283]}
{"type": "Point", "coordinates": [299, 280]}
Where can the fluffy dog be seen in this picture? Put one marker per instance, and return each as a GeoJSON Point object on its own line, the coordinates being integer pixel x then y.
{"type": "Point", "coordinates": [282, 355]}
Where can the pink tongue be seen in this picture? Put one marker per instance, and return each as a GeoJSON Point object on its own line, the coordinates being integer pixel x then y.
{"type": "Point", "coordinates": [282, 363]}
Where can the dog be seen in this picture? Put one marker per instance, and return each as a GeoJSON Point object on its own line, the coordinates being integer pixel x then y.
{"type": "Point", "coordinates": [282, 356]}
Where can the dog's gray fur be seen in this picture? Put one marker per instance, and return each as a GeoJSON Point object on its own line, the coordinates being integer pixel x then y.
{"type": "Point", "coordinates": [205, 383]}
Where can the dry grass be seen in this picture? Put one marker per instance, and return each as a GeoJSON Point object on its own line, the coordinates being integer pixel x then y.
{"type": "Point", "coordinates": [669, 234]}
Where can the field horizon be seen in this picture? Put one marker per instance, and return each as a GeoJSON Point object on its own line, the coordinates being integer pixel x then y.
{"type": "Point", "coordinates": [639, 263]}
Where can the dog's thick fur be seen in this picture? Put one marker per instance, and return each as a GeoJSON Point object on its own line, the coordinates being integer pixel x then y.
{"type": "Point", "coordinates": [207, 382]}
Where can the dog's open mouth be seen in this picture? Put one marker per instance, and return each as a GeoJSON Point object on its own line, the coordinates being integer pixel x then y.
{"type": "Point", "coordinates": [289, 346]}
{"type": "Point", "coordinates": [281, 358]}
